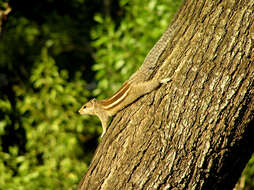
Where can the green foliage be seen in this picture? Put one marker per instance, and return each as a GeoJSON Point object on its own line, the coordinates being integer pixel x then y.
{"type": "Point", "coordinates": [248, 175]}
{"type": "Point", "coordinates": [49, 117]}
{"type": "Point", "coordinates": [43, 140]}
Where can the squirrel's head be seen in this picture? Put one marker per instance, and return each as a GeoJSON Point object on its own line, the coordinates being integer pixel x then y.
{"type": "Point", "coordinates": [88, 108]}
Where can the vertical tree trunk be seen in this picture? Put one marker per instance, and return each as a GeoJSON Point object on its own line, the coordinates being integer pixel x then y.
{"type": "Point", "coordinates": [195, 132]}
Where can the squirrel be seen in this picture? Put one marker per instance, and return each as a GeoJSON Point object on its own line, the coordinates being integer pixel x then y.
{"type": "Point", "coordinates": [136, 86]}
{"type": "Point", "coordinates": [127, 94]}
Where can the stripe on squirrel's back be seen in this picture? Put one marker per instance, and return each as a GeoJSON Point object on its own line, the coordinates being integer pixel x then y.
{"type": "Point", "coordinates": [118, 97]}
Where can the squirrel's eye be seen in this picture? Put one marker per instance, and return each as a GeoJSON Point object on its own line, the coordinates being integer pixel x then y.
{"type": "Point", "coordinates": [84, 107]}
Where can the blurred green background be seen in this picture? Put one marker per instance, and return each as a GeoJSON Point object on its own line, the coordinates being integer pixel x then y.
{"type": "Point", "coordinates": [54, 56]}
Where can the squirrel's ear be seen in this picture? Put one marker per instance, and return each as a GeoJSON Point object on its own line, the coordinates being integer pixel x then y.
{"type": "Point", "coordinates": [93, 101]}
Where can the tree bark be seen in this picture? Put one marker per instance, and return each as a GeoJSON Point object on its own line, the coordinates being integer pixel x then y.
{"type": "Point", "coordinates": [197, 131]}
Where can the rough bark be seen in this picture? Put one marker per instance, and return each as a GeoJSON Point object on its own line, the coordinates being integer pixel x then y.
{"type": "Point", "coordinates": [197, 131]}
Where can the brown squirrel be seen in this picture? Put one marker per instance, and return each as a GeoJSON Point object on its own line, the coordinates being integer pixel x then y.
{"type": "Point", "coordinates": [127, 94]}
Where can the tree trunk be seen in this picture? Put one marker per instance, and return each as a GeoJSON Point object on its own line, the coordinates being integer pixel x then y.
{"type": "Point", "coordinates": [197, 131]}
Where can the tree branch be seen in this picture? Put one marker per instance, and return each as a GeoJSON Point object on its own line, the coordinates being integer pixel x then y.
{"type": "Point", "coordinates": [3, 14]}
